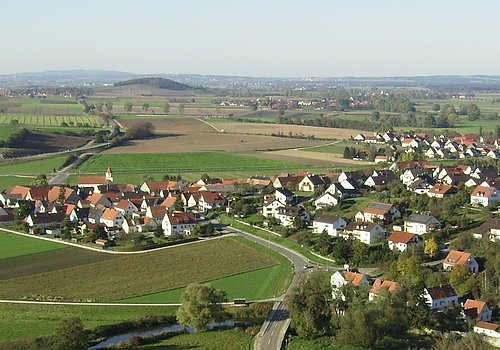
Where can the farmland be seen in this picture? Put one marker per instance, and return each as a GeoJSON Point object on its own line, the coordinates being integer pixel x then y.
{"type": "Point", "coordinates": [125, 277]}
{"type": "Point", "coordinates": [12, 245]}
{"type": "Point", "coordinates": [28, 321]}
{"type": "Point", "coordinates": [33, 167]}
{"type": "Point", "coordinates": [180, 162]}
{"type": "Point", "coordinates": [51, 120]}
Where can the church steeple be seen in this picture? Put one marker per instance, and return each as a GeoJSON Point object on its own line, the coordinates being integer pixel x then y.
{"type": "Point", "coordinates": [109, 174]}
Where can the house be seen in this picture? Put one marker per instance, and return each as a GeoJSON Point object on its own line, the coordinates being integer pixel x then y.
{"type": "Point", "coordinates": [488, 230]}
{"type": "Point", "coordinates": [381, 159]}
{"type": "Point", "coordinates": [126, 208]}
{"type": "Point", "coordinates": [440, 296]}
{"type": "Point", "coordinates": [169, 203]}
{"type": "Point", "coordinates": [43, 220]}
{"type": "Point", "coordinates": [477, 310]}
{"type": "Point", "coordinates": [129, 226]}
{"type": "Point", "coordinates": [283, 195]}
{"type": "Point", "coordinates": [210, 200]}
{"type": "Point", "coordinates": [341, 192]}
{"type": "Point", "coordinates": [379, 181]}
{"type": "Point", "coordinates": [378, 212]}
{"type": "Point", "coordinates": [484, 196]}
{"type": "Point", "coordinates": [94, 216]}
{"type": "Point", "coordinates": [288, 214]}
{"type": "Point", "coordinates": [325, 200]}
{"type": "Point", "coordinates": [329, 224]}
{"type": "Point", "coordinates": [421, 185]}
{"type": "Point", "coordinates": [178, 223]}
{"type": "Point", "coordinates": [270, 208]}
{"type": "Point", "coordinates": [420, 224]}
{"type": "Point", "coordinates": [359, 137]}
{"type": "Point", "coordinates": [6, 218]}
{"type": "Point", "coordinates": [287, 181]}
{"type": "Point", "coordinates": [155, 187]}
{"type": "Point", "coordinates": [156, 213]}
{"type": "Point", "coordinates": [98, 199]}
{"type": "Point", "coordinates": [488, 329]}
{"type": "Point", "coordinates": [442, 190]}
{"type": "Point", "coordinates": [382, 287]}
{"type": "Point", "coordinates": [399, 240]}
{"type": "Point", "coordinates": [342, 278]}
{"type": "Point", "coordinates": [78, 214]}
{"type": "Point", "coordinates": [366, 232]}
{"type": "Point", "coordinates": [112, 218]}
{"type": "Point", "coordinates": [458, 258]}
{"type": "Point", "coordinates": [94, 182]}
{"type": "Point", "coordinates": [311, 183]}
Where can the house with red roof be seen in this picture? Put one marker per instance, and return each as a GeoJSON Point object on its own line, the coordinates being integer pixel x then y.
{"type": "Point", "coordinates": [442, 190]}
{"type": "Point", "coordinates": [382, 287]}
{"type": "Point", "coordinates": [342, 278]}
{"type": "Point", "coordinates": [477, 310]}
{"type": "Point", "coordinates": [178, 222]}
{"type": "Point", "coordinates": [126, 207]}
{"type": "Point", "coordinates": [484, 196]}
{"type": "Point", "coordinates": [378, 212]}
{"type": "Point", "coordinates": [458, 258]}
{"type": "Point", "coordinates": [112, 218]}
{"type": "Point", "coordinates": [400, 240]}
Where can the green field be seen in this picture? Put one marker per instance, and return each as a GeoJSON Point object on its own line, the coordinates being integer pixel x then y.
{"type": "Point", "coordinates": [6, 131]}
{"type": "Point", "coordinates": [141, 274]}
{"type": "Point", "coordinates": [232, 339]}
{"type": "Point", "coordinates": [254, 285]}
{"type": "Point", "coordinates": [51, 120]}
{"type": "Point", "coordinates": [29, 321]}
{"type": "Point", "coordinates": [180, 162]}
{"type": "Point", "coordinates": [9, 181]}
{"type": "Point", "coordinates": [33, 167]}
{"type": "Point", "coordinates": [12, 245]}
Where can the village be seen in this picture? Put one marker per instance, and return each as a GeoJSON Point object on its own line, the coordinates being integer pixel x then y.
{"type": "Point", "coordinates": [388, 210]}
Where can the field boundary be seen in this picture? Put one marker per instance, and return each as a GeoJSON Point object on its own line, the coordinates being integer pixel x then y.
{"type": "Point", "coordinates": [210, 125]}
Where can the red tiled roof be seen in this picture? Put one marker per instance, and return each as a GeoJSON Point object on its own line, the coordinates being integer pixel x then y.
{"type": "Point", "coordinates": [457, 258]}
{"type": "Point", "coordinates": [487, 325]}
{"type": "Point", "coordinates": [401, 237]}
{"type": "Point", "coordinates": [380, 285]}
{"type": "Point", "coordinates": [353, 277]}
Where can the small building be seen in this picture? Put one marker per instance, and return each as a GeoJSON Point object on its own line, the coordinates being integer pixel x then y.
{"type": "Point", "coordinates": [378, 212]}
{"type": "Point", "coordinates": [182, 223]}
{"type": "Point", "coordinates": [420, 224]}
{"type": "Point", "coordinates": [381, 287]}
{"type": "Point", "coordinates": [442, 190]}
{"type": "Point", "coordinates": [458, 258]}
{"type": "Point", "coordinates": [487, 329]}
{"type": "Point", "coordinates": [401, 241]}
{"type": "Point", "coordinates": [342, 278]}
{"type": "Point", "coordinates": [477, 310]}
{"type": "Point", "coordinates": [326, 200]}
{"type": "Point", "coordinates": [329, 224]}
{"type": "Point", "coordinates": [440, 296]}
{"type": "Point", "coordinates": [366, 232]}
{"type": "Point", "coordinates": [311, 183]}
{"type": "Point", "coordinates": [112, 218]}
{"type": "Point", "coordinates": [484, 196]}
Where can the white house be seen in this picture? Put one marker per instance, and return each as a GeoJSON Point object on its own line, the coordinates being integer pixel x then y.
{"type": "Point", "coordinates": [270, 209]}
{"type": "Point", "coordinates": [342, 278]}
{"type": "Point", "coordinates": [287, 215]}
{"type": "Point", "coordinates": [488, 329]}
{"type": "Point", "coordinates": [440, 296]}
{"type": "Point", "coordinates": [112, 218]}
{"type": "Point", "coordinates": [378, 212]}
{"type": "Point", "coordinates": [326, 200]}
{"type": "Point", "coordinates": [182, 223]}
{"type": "Point", "coordinates": [458, 258]}
{"type": "Point", "coordinates": [366, 232]}
{"type": "Point", "coordinates": [127, 208]}
{"type": "Point", "coordinates": [401, 241]}
{"type": "Point", "coordinates": [283, 195]}
{"type": "Point", "coordinates": [484, 196]}
{"type": "Point", "coordinates": [477, 310]}
{"type": "Point", "coordinates": [329, 224]}
{"type": "Point", "coordinates": [420, 224]}
{"type": "Point", "coordinates": [310, 183]}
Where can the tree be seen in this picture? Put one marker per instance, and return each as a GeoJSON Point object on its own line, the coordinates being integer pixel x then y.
{"type": "Point", "coordinates": [109, 106]}
{"type": "Point", "coordinates": [436, 107]}
{"type": "Point", "coordinates": [14, 122]}
{"type": "Point", "coordinates": [473, 111]}
{"type": "Point", "coordinates": [166, 108]}
{"type": "Point", "coordinates": [431, 247]}
{"type": "Point", "coordinates": [375, 115]}
{"type": "Point", "coordinates": [201, 305]}
{"type": "Point", "coordinates": [41, 180]}
{"type": "Point", "coordinates": [145, 107]}
{"type": "Point", "coordinates": [181, 109]}
{"type": "Point", "coordinates": [461, 281]}
{"type": "Point", "coordinates": [310, 307]}
{"type": "Point", "coordinates": [22, 212]}
{"type": "Point", "coordinates": [99, 107]}
{"type": "Point", "coordinates": [71, 335]}
{"type": "Point", "coordinates": [128, 107]}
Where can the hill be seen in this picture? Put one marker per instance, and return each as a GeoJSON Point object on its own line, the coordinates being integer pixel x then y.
{"type": "Point", "coordinates": [158, 83]}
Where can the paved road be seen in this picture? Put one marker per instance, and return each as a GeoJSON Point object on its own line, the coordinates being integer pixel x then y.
{"type": "Point", "coordinates": [272, 332]}
{"type": "Point", "coordinates": [61, 175]}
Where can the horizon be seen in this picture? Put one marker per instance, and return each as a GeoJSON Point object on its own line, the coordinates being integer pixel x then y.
{"type": "Point", "coordinates": [279, 39]}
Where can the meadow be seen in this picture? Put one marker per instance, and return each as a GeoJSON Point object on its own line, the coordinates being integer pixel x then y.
{"type": "Point", "coordinates": [32, 167]}
{"type": "Point", "coordinates": [28, 321]}
{"type": "Point", "coordinates": [180, 162]}
{"type": "Point", "coordinates": [12, 245]}
{"type": "Point", "coordinates": [141, 274]}
{"type": "Point", "coordinates": [51, 120]}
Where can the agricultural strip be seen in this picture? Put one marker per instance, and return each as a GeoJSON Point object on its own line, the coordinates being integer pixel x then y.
{"type": "Point", "coordinates": [142, 274]}
{"type": "Point", "coordinates": [181, 162]}
{"type": "Point", "coordinates": [12, 246]}
{"type": "Point", "coordinates": [33, 167]}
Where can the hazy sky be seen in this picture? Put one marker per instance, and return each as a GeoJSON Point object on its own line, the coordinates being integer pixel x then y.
{"type": "Point", "coordinates": [256, 37]}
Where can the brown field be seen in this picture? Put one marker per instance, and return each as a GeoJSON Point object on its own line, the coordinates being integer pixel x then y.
{"type": "Point", "coordinates": [191, 135]}
{"type": "Point", "coordinates": [267, 129]}
{"type": "Point", "coordinates": [313, 158]}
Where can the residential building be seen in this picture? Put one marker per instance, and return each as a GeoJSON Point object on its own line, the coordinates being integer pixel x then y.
{"type": "Point", "coordinates": [458, 258]}
{"type": "Point", "coordinates": [440, 296]}
{"type": "Point", "coordinates": [366, 232]}
{"type": "Point", "coordinates": [379, 212]}
{"type": "Point", "coordinates": [182, 223]}
{"type": "Point", "coordinates": [326, 200]}
{"type": "Point", "coordinates": [382, 287]}
{"type": "Point", "coordinates": [401, 241]}
{"type": "Point", "coordinates": [484, 196]}
{"type": "Point", "coordinates": [420, 224]}
{"type": "Point", "coordinates": [477, 310]}
{"type": "Point", "coordinates": [329, 224]}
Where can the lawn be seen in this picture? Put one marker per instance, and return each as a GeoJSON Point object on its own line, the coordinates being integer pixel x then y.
{"type": "Point", "coordinates": [141, 274]}
{"type": "Point", "coordinates": [29, 321]}
{"type": "Point", "coordinates": [231, 339]}
{"type": "Point", "coordinates": [6, 131]}
{"type": "Point", "coordinates": [8, 181]}
{"type": "Point", "coordinates": [12, 245]}
{"type": "Point", "coordinates": [33, 167]}
{"type": "Point", "coordinates": [180, 162]}
{"type": "Point", "coordinates": [254, 285]}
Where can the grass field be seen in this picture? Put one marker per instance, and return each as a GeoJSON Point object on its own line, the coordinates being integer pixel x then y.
{"type": "Point", "coordinates": [29, 321]}
{"type": "Point", "coordinates": [45, 261]}
{"type": "Point", "coordinates": [254, 285]}
{"type": "Point", "coordinates": [6, 131]}
{"type": "Point", "coordinates": [180, 162]}
{"type": "Point", "coordinates": [232, 339]}
{"type": "Point", "coordinates": [33, 167]}
{"type": "Point", "coordinates": [141, 274]}
{"type": "Point", "coordinates": [51, 120]}
{"type": "Point", "coordinates": [12, 245]}
{"type": "Point", "coordinates": [7, 181]}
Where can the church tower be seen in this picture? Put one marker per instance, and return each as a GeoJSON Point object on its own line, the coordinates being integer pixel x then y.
{"type": "Point", "coordinates": [109, 174]}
